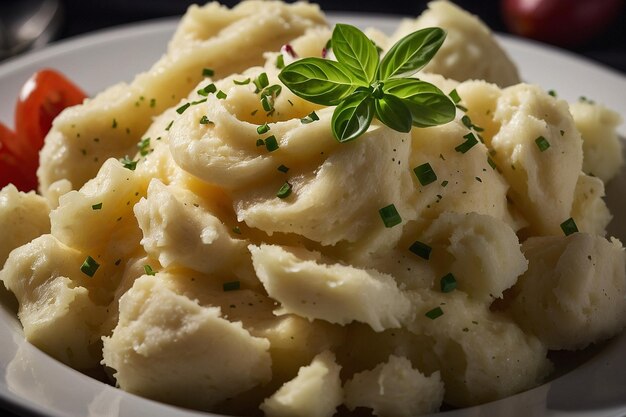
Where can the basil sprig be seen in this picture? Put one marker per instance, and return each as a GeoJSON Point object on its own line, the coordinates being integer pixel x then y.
{"type": "Point", "coordinates": [363, 86]}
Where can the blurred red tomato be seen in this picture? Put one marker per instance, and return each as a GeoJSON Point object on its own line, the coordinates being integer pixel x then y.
{"type": "Point", "coordinates": [12, 168]}
{"type": "Point", "coordinates": [560, 22]}
{"type": "Point", "coordinates": [41, 99]}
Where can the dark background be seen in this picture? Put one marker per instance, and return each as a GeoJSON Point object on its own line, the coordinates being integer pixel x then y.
{"type": "Point", "coordinates": [82, 16]}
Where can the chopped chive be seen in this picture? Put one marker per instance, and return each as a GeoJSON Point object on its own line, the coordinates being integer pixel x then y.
{"type": "Point", "coordinates": [221, 95]}
{"type": "Point", "coordinates": [231, 286]}
{"type": "Point", "coordinates": [260, 142]}
{"type": "Point", "coordinates": [454, 95]}
{"type": "Point", "coordinates": [272, 90]}
{"type": "Point", "coordinates": [280, 61]}
{"type": "Point", "coordinates": [128, 163]}
{"type": "Point", "coordinates": [552, 93]}
{"type": "Point", "coordinates": [97, 206]}
{"type": "Point", "coordinates": [148, 270]}
{"type": "Point", "coordinates": [152, 102]}
{"type": "Point", "coordinates": [425, 174]}
{"type": "Point", "coordinates": [448, 283]}
{"type": "Point", "coordinates": [211, 88]}
{"type": "Point", "coordinates": [114, 124]}
{"type": "Point", "coordinates": [271, 143]}
{"type": "Point", "coordinates": [283, 168]}
{"type": "Point", "coordinates": [562, 132]}
{"type": "Point", "coordinates": [89, 267]}
{"type": "Point", "coordinates": [182, 108]}
{"type": "Point", "coordinates": [261, 82]}
{"type": "Point", "coordinates": [470, 141]}
{"type": "Point", "coordinates": [462, 108]}
{"type": "Point", "coordinates": [421, 249]}
{"type": "Point", "coordinates": [491, 163]}
{"type": "Point", "coordinates": [284, 191]}
{"type": "Point", "coordinates": [266, 102]}
{"type": "Point", "coordinates": [390, 215]}
{"type": "Point", "coordinates": [237, 230]}
{"type": "Point", "coordinates": [254, 112]}
{"type": "Point", "coordinates": [569, 226]}
{"type": "Point", "coordinates": [264, 128]}
{"type": "Point", "coordinates": [207, 72]}
{"type": "Point", "coordinates": [310, 118]}
{"type": "Point", "coordinates": [205, 120]}
{"type": "Point", "coordinates": [169, 125]}
{"type": "Point", "coordinates": [193, 103]}
{"type": "Point", "coordinates": [144, 146]}
{"type": "Point", "coordinates": [542, 143]}
{"type": "Point", "coordinates": [242, 82]}
{"type": "Point", "coordinates": [444, 183]}
{"type": "Point", "coordinates": [434, 313]}
{"type": "Point", "coordinates": [467, 122]}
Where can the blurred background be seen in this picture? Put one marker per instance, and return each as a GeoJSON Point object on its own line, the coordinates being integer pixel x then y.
{"type": "Point", "coordinates": [595, 29]}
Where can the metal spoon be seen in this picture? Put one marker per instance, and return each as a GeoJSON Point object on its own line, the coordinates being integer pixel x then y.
{"type": "Point", "coordinates": [27, 24]}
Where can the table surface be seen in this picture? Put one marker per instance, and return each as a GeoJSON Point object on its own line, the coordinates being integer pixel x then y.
{"type": "Point", "coordinates": [83, 16]}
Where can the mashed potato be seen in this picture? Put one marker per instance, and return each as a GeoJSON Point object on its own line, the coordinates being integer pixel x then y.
{"type": "Point", "coordinates": [160, 249]}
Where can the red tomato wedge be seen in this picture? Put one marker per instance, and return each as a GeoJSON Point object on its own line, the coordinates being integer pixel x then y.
{"type": "Point", "coordinates": [12, 168]}
{"type": "Point", "coordinates": [41, 99]}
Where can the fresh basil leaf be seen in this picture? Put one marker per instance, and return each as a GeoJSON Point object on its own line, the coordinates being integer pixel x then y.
{"type": "Point", "coordinates": [353, 116]}
{"type": "Point", "coordinates": [394, 113]}
{"type": "Point", "coordinates": [411, 53]}
{"type": "Point", "coordinates": [318, 80]}
{"type": "Point", "coordinates": [428, 105]}
{"type": "Point", "coordinates": [356, 51]}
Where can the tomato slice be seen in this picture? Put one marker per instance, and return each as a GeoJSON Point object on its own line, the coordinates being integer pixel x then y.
{"type": "Point", "coordinates": [41, 99]}
{"type": "Point", "coordinates": [12, 168]}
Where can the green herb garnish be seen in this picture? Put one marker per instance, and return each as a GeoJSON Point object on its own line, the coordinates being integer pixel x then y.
{"type": "Point", "coordinates": [569, 226]}
{"type": "Point", "coordinates": [182, 108]}
{"type": "Point", "coordinates": [542, 143]}
{"type": "Point", "coordinates": [264, 128]}
{"type": "Point", "coordinates": [144, 146]}
{"type": "Point", "coordinates": [448, 283]}
{"type": "Point", "coordinates": [207, 72]}
{"type": "Point", "coordinates": [421, 249]}
{"type": "Point", "coordinates": [221, 95]}
{"type": "Point", "coordinates": [204, 120]}
{"type": "Point", "coordinates": [231, 286]}
{"type": "Point", "coordinates": [280, 61]}
{"type": "Point", "coordinates": [434, 313]}
{"type": "Point", "coordinates": [390, 216]}
{"type": "Point", "coordinates": [242, 82]}
{"type": "Point", "coordinates": [470, 141]}
{"type": "Point", "coordinates": [362, 85]}
{"type": "Point", "coordinates": [129, 163]}
{"type": "Point", "coordinates": [89, 267]}
{"type": "Point", "coordinates": [271, 144]}
{"type": "Point", "coordinates": [148, 270]}
{"type": "Point", "coordinates": [205, 91]}
{"type": "Point", "coordinates": [97, 206]}
{"type": "Point", "coordinates": [425, 174]}
{"type": "Point", "coordinates": [283, 168]}
{"type": "Point", "coordinates": [261, 82]}
{"type": "Point", "coordinates": [284, 191]}
{"type": "Point", "coordinates": [312, 117]}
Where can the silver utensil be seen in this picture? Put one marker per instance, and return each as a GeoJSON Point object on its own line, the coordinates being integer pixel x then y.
{"type": "Point", "coordinates": [27, 24]}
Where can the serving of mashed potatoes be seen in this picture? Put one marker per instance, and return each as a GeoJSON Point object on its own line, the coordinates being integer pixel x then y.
{"type": "Point", "coordinates": [163, 247]}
